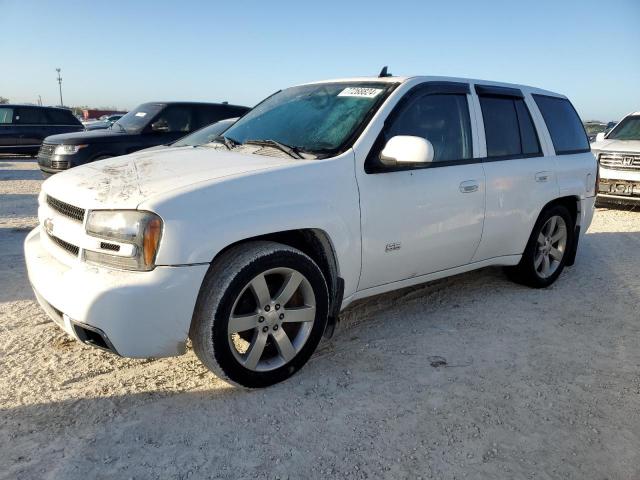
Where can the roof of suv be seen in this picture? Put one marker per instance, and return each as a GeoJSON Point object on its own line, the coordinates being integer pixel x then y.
{"type": "Point", "coordinates": [442, 79]}
{"type": "Point", "coordinates": [18, 105]}
{"type": "Point", "coordinates": [217, 104]}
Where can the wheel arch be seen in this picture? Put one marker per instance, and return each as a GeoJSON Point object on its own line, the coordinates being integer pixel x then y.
{"type": "Point", "coordinates": [571, 203]}
{"type": "Point", "coordinates": [316, 244]}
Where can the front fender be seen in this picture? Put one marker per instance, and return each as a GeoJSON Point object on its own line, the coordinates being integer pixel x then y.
{"type": "Point", "coordinates": [202, 219]}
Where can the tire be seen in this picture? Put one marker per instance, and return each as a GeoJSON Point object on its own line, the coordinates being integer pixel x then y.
{"type": "Point", "coordinates": [259, 346]}
{"type": "Point", "coordinates": [532, 269]}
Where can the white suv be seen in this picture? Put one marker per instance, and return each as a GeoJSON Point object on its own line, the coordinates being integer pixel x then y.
{"type": "Point", "coordinates": [618, 154]}
{"type": "Point", "coordinates": [323, 194]}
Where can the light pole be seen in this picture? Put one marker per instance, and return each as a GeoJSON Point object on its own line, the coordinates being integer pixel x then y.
{"type": "Point", "coordinates": [60, 86]}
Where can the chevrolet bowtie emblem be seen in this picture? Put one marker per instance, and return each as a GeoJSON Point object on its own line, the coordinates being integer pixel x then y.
{"type": "Point", "coordinates": [48, 226]}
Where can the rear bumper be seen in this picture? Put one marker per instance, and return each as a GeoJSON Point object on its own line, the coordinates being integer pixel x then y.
{"type": "Point", "coordinates": [587, 209]}
{"type": "Point", "coordinates": [137, 314]}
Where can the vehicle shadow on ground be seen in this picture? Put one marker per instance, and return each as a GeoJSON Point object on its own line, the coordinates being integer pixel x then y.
{"type": "Point", "coordinates": [18, 205]}
{"type": "Point", "coordinates": [20, 174]}
{"type": "Point", "coordinates": [12, 265]}
{"type": "Point", "coordinates": [375, 391]}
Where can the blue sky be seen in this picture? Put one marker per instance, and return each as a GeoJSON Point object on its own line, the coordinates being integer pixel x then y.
{"type": "Point", "coordinates": [123, 53]}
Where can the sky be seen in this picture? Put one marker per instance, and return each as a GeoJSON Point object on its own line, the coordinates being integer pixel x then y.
{"type": "Point", "coordinates": [123, 53]}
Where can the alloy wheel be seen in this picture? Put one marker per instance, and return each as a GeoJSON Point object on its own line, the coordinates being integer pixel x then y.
{"type": "Point", "coordinates": [551, 245]}
{"type": "Point", "coordinates": [271, 319]}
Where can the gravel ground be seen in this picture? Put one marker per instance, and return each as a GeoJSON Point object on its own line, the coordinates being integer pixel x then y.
{"type": "Point", "coordinates": [537, 383]}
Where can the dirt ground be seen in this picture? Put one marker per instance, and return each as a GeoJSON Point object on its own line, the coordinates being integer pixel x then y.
{"type": "Point", "coordinates": [537, 384]}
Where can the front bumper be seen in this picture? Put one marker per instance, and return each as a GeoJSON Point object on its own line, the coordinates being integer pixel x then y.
{"type": "Point", "coordinates": [619, 186]}
{"type": "Point", "coordinates": [51, 163]}
{"type": "Point", "coordinates": [140, 314]}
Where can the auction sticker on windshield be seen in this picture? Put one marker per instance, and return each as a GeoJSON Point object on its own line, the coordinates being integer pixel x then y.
{"type": "Point", "coordinates": [141, 114]}
{"type": "Point", "coordinates": [360, 92]}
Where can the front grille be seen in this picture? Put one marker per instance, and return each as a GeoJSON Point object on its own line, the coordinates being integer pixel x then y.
{"type": "Point", "coordinates": [72, 249]}
{"type": "Point", "coordinates": [109, 246]}
{"type": "Point", "coordinates": [620, 161]}
{"type": "Point", "coordinates": [45, 153]}
{"type": "Point", "coordinates": [75, 213]}
{"type": "Point", "coordinates": [60, 164]}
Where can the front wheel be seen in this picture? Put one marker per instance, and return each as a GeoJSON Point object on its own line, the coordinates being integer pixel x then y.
{"type": "Point", "coordinates": [260, 315]}
{"type": "Point", "coordinates": [545, 255]}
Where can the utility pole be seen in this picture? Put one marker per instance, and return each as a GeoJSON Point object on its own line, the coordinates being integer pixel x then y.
{"type": "Point", "coordinates": [60, 86]}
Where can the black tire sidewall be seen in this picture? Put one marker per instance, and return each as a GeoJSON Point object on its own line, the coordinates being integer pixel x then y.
{"type": "Point", "coordinates": [221, 348]}
{"type": "Point", "coordinates": [529, 257]}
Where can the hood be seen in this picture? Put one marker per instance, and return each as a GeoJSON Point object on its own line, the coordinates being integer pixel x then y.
{"type": "Point", "coordinates": [127, 181]}
{"type": "Point", "coordinates": [91, 136]}
{"type": "Point", "coordinates": [629, 146]}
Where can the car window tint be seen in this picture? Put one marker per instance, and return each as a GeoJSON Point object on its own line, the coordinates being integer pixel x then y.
{"type": "Point", "coordinates": [208, 115]}
{"type": "Point", "coordinates": [31, 116]}
{"type": "Point", "coordinates": [6, 115]}
{"type": "Point", "coordinates": [627, 129]}
{"type": "Point", "coordinates": [175, 118]}
{"type": "Point", "coordinates": [204, 135]}
{"type": "Point", "coordinates": [443, 119]}
{"type": "Point", "coordinates": [62, 117]}
{"type": "Point", "coordinates": [564, 124]}
{"type": "Point", "coordinates": [528, 134]}
{"type": "Point", "coordinates": [501, 126]}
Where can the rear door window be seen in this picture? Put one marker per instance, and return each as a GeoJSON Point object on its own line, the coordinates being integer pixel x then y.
{"type": "Point", "coordinates": [6, 115]}
{"type": "Point", "coordinates": [31, 116]}
{"type": "Point", "coordinates": [564, 125]}
{"type": "Point", "coordinates": [207, 115]}
{"type": "Point", "coordinates": [528, 134]}
{"type": "Point", "coordinates": [509, 130]}
{"type": "Point", "coordinates": [175, 118]}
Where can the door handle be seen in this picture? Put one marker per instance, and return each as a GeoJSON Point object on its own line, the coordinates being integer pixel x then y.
{"type": "Point", "coordinates": [469, 186]}
{"type": "Point", "coordinates": [543, 176]}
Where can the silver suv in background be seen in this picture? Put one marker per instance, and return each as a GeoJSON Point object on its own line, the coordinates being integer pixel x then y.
{"type": "Point", "coordinates": [618, 154]}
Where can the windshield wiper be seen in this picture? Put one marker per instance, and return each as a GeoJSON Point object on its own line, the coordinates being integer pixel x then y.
{"type": "Point", "coordinates": [121, 127]}
{"type": "Point", "coordinates": [291, 151]}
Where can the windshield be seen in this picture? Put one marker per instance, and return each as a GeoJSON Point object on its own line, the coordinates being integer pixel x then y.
{"type": "Point", "coordinates": [627, 129]}
{"type": "Point", "coordinates": [204, 135]}
{"type": "Point", "coordinates": [138, 118]}
{"type": "Point", "coordinates": [317, 118]}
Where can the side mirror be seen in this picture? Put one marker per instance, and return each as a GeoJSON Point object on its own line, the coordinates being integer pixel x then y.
{"type": "Point", "coordinates": [600, 137]}
{"type": "Point", "coordinates": [404, 149]}
{"type": "Point", "coordinates": [160, 126]}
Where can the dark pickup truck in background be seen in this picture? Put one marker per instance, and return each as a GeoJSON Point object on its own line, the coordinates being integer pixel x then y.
{"type": "Point", "coordinates": [150, 124]}
{"type": "Point", "coordinates": [23, 127]}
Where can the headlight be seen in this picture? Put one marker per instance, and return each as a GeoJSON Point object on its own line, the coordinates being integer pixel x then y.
{"type": "Point", "coordinates": [137, 230]}
{"type": "Point", "coordinates": [68, 149]}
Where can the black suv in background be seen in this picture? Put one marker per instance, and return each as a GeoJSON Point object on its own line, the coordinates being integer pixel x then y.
{"type": "Point", "coordinates": [22, 127]}
{"type": "Point", "coordinates": [150, 124]}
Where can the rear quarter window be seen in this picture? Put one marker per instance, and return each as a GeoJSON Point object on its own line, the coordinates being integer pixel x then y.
{"type": "Point", "coordinates": [211, 114]}
{"type": "Point", "coordinates": [62, 117]}
{"type": "Point", "coordinates": [564, 125]}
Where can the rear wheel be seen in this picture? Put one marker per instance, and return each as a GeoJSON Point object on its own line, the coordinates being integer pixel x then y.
{"type": "Point", "coordinates": [261, 312]}
{"type": "Point", "coordinates": [545, 256]}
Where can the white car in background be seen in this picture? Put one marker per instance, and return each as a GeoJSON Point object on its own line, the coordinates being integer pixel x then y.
{"type": "Point", "coordinates": [618, 154]}
{"type": "Point", "coordinates": [322, 194]}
